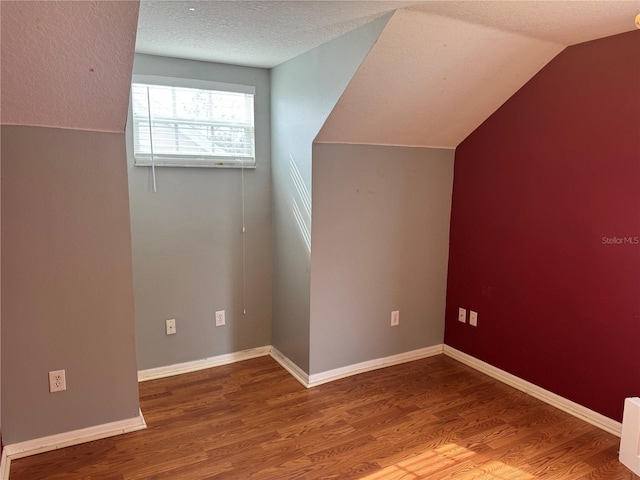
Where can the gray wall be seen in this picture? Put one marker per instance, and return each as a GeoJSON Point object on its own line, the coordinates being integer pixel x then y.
{"type": "Point", "coordinates": [67, 299]}
{"type": "Point", "coordinates": [1, 442]}
{"type": "Point", "coordinates": [380, 243]}
{"type": "Point", "coordinates": [304, 90]}
{"type": "Point", "coordinates": [187, 240]}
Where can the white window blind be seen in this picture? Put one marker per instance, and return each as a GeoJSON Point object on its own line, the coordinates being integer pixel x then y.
{"type": "Point", "coordinates": [192, 127]}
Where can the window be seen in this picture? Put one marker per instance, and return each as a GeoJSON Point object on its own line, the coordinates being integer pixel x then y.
{"type": "Point", "coordinates": [182, 126]}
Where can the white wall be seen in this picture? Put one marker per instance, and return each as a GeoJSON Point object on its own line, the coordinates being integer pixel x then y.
{"type": "Point", "coordinates": [187, 240]}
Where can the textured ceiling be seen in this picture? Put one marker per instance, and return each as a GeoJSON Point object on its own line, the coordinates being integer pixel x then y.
{"type": "Point", "coordinates": [566, 22]}
{"type": "Point", "coordinates": [67, 64]}
{"type": "Point", "coordinates": [259, 33]}
{"type": "Point", "coordinates": [431, 80]}
{"type": "Point", "coordinates": [441, 68]}
{"type": "Point", "coordinates": [266, 33]}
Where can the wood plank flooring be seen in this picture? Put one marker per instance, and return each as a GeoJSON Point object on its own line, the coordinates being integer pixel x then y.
{"type": "Point", "coordinates": [429, 419]}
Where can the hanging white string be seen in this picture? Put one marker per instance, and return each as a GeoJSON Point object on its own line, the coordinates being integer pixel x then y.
{"type": "Point", "coordinates": [244, 263]}
{"type": "Point", "coordinates": [153, 162]}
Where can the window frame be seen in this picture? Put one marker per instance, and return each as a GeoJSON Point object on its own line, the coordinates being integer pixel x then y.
{"type": "Point", "coordinates": [191, 161]}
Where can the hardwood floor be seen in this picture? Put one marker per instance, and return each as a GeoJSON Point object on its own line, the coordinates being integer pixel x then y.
{"type": "Point", "coordinates": [429, 419]}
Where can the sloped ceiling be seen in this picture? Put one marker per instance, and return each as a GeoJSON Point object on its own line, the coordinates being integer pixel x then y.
{"type": "Point", "coordinates": [67, 64]}
{"type": "Point", "coordinates": [566, 22]}
{"type": "Point", "coordinates": [440, 69]}
{"type": "Point", "coordinates": [431, 80]}
{"type": "Point", "coordinates": [265, 33]}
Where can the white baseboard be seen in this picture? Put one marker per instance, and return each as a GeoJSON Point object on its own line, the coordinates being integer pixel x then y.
{"type": "Point", "coordinates": [193, 366]}
{"type": "Point", "coordinates": [4, 466]}
{"type": "Point", "coordinates": [53, 442]}
{"type": "Point", "coordinates": [310, 381]}
{"type": "Point", "coordinates": [572, 408]}
{"type": "Point", "coordinates": [343, 372]}
{"type": "Point", "coordinates": [295, 371]}
{"type": "Point", "coordinates": [67, 439]}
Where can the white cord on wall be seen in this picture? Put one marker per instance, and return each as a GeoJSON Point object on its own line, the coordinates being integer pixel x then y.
{"type": "Point", "coordinates": [153, 162]}
{"type": "Point", "coordinates": [244, 263]}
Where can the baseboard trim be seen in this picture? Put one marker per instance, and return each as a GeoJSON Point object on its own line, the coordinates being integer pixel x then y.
{"type": "Point", "coordinates": [194, 366]}
{"type": "Point", "coordinates": [75, 437]}
{"type": "Point", "coordinates": [594, 418]}
{"type": "Point", "coordinates": [67, 439]}
{"type": "Point", "coordinates": [293, 369]}
{"type": "Point", "coordinates": [4, 465]}
{"type": "Point", "coordinates": [355, 369]}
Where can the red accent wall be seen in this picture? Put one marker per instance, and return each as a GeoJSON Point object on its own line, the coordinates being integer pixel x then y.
{"type": "Point", "coordinates": [536, 188]}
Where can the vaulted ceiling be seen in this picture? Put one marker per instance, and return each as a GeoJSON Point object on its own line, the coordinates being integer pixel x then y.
{"type": "Point", "coordinates": [265, 33]}
{"type": "Point", "coordinates": [438, 69]}
{"type": "Point", "coordinates": [431, 80]}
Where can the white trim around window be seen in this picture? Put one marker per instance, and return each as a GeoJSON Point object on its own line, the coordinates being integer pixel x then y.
{"type": "Point", "coordinates": [181, 122]}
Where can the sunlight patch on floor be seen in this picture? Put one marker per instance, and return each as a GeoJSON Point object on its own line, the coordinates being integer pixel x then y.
{"type": "Point", "coordinates": [448, 461]}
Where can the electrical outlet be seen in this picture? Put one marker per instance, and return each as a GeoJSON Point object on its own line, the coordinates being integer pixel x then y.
{"type": "Point", "coordinates": [395, 318]}
{"type": "Point", "coordinates": [462, 315]}
{"type": "Point", "coordinates": [57, 381]}
{"type": "Point", "coordinates": [220, 318]}
{"type": "Point", "coordinates": [171, 326]}
{"type": "Point", "coordinates": [473, 318]}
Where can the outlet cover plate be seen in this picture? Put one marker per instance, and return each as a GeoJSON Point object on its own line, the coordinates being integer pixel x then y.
{"type": "Point", "coordinates": [220, 318]}
{"type": "Point", "coordinates": [57, 381]}
{"type": "Point", "coordinates": [462, 315]}
{"type": "Point", "coordinates": [395, 318]}
{"type": "Point", "coordinates": [171, 326]}
{"type": "Point", "coordinates": [473, 318]}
